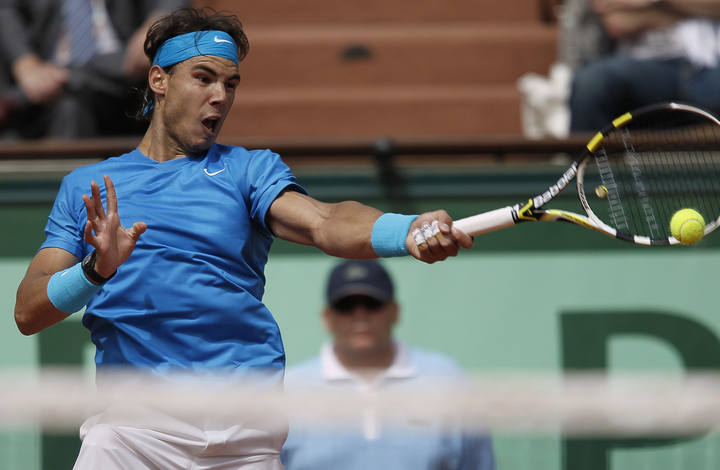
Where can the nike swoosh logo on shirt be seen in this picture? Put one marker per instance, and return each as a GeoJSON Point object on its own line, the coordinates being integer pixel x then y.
{"type": "Point", "coordinates": [217, 39]}
{"type": "Point", "coordinates": [214, 172]}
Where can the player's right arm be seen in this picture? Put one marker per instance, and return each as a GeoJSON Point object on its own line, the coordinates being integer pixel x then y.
{"type": "Point", "coordinates": [345, 229]}
{"type": "Point", "coordinates": [33, 310]}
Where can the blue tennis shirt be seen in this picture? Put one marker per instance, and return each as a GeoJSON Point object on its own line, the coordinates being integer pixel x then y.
{"type": "Point", "coordinates": [190, 295]}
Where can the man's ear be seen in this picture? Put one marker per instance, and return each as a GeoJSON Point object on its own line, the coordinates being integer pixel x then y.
{"type": "Point", "coordinates": [157, 80]}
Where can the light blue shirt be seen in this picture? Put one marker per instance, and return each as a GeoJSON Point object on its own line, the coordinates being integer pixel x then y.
{"type": "Point", "coordinates": [189, 297]}
{"type": "Point", "coordinates": [419, 443]}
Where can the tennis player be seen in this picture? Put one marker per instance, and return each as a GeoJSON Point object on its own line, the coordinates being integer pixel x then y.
{"type": "Point", "coordinates": [171, 267]}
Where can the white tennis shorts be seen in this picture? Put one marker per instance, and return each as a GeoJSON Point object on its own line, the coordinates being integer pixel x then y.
{"type": "Point", "coordinates": [160, 442]}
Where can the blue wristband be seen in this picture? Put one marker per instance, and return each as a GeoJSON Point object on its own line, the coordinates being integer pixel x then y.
{"type": "Point", "coordinates": [389, 234]}
{"type": "Point", "coordinates": [69, 290]}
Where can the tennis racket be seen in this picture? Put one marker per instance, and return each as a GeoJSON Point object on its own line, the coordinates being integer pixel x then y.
{"type": "Point", "coordinates": [632, 177]}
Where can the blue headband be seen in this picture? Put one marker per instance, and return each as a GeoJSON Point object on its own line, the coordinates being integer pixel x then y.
{"type": "Point", "coordinates": [188, 45]}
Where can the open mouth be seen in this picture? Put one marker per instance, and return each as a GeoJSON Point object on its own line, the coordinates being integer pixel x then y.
{"type": "Point", "coordinates": [211, 125]}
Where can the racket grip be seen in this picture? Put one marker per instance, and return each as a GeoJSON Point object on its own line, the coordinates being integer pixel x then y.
{"type": "Point", "coordinates": [486, 222]}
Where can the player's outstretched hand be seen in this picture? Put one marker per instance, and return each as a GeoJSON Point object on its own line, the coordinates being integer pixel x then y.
{"type": "Point", "coordinates": [103, 230]}
{"type": "Point", "coordinates": [433, 238]}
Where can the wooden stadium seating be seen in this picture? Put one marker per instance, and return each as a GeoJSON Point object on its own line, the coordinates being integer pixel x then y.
{"type": "Point", "coordinates": [395, 68]}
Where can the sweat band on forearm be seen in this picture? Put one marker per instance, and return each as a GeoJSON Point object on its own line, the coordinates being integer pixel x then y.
{"type": "Point", "coordinates": [389, 234]}
{"type": "Point", "coordinates": [69, 290]}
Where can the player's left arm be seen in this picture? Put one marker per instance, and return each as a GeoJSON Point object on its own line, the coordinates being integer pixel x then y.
{"type": "Point", "coordinates": [345, 229]}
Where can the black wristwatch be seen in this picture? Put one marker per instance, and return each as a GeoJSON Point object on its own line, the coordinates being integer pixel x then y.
{"type": "Point", "coordinates": [88, 267]}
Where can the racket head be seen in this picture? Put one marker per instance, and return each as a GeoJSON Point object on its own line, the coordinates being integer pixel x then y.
{"type": "Point", "coordinates": [648, 164]}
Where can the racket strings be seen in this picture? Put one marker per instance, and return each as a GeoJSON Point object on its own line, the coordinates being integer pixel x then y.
{"type": "Point", "coordinates": [654, 165]}
{"type": "Point", "coordinates": [631, 176]}
{"type": "Point", "coordinates": [640, 177]}
{"type": "Point", "coordinates": [677, 173]}
{"type": "Point", "coordinates": [689, 196]}
{"type": "Point", "coordinates": [608, 188]}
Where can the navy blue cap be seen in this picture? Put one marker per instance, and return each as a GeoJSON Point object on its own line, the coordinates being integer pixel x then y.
{"type": "Point", "coordinates": [359, 277]}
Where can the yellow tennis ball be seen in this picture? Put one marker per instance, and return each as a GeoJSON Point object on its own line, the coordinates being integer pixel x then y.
{"type": "Point", "coordinates": [687, 226]}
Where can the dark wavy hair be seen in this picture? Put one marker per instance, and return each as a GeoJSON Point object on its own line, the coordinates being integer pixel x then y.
{"type": "Point", "coordinates": [187, 20]}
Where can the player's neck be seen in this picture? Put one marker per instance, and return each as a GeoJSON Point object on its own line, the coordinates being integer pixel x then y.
{"type": "Point", "coordinates": [156, 145]}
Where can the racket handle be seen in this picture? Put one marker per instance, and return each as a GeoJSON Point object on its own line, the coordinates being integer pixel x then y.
{"type": "Point", "coordinates": [486, 222]}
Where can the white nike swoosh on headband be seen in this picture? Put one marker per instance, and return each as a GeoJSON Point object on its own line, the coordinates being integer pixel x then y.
{"type": "Point", "coordinates": [217, 39]}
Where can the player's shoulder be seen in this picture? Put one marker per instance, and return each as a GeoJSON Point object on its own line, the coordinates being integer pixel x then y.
{"type": "Point", "coordinates": [95, 171]}
{"type": "Point", "coordinates": [236, 152]}
{"type": "Point", "coordinates": [249, 164]}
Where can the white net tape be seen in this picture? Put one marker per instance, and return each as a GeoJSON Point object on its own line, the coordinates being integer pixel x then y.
{"type": "Point", "coordinates": [581, 404]}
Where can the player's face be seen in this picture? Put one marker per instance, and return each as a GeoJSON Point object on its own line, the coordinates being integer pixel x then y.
{"type": "Point", "coordinates": [361, 325]}
{"type": "Point", "coordinates": [200, 92]}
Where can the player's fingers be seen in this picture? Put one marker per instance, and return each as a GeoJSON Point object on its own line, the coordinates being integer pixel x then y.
{"type": "Point", "coordinates": [97, 200]}
{"type": "Point", "coordinates": [446, 240]}
{"type": "Point", "coordinates": [419, 247]}
{"type": "Point", "coordinates": [417, 253]}
{"type": "Point", "coordinates": [89, 207]}
{"type": "Point", "coordinates": [437, 247]}
{"type": "Point", "coordinates": [432, 234]}
{"type": "Point", "coordinates": [425, 254]}
{"type": "Point", "coordinates": [419, 239]}
{"type": "Point", "coordinates": [462, 238]}
{"type": "Point", "coordinates": [448, 237]}
{"type": "Point", "coordinates": [136, 230]}
{"type": "Point", "coordinates": [435, 239]}
{"type": "Point", "coordinates": [444, 233]}
{"type": "Point", "coordinates": [425, 234]}
{"type": "Point", "coordinates": [87, 234]}
{"type": "Point", "coordinates": [110, 196]}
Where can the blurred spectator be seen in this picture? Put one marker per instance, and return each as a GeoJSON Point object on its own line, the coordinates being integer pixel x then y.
{"type": "Point", "coordinates": [68, 66]}
{"type": "Point", "coordinates": [364, 359]}
{"type": "Point", "coordinates": [662, 50]}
